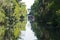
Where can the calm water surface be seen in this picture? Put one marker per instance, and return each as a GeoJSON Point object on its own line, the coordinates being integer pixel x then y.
{"type": "Point", "coordinates": [28, 34]}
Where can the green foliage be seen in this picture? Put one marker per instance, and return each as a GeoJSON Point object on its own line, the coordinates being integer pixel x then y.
{"type": "Point", "coordinates": [47, 19]}
{"type": "Point", "coordinates": [2, 17]}
{"type": "Point", "coordinates": [16, 30]}
{"type": "Point", "coordinates": [2, 30]}
{"type": "Point", "coordinates": [10, 24]}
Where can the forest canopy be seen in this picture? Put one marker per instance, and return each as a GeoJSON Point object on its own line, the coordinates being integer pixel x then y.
{"type": "Point", "coordinates": [47, 19]}
{"type": "Point", "coordinates": [10, 24]}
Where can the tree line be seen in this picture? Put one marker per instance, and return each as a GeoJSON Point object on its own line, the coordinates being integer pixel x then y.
{"type": "Point", "coordinates": [47, 19]}
{"type": "Point", "coordinates": [12, 19]}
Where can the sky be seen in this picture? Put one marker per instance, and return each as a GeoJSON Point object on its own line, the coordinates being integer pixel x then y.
{"type": "Point", "coordinates": [28, 3]}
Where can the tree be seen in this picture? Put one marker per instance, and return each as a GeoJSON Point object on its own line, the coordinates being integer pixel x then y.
{"type": "Point", "coordinates": [10, 12]}
{"type": "Point", "coordinates": [46, 23]}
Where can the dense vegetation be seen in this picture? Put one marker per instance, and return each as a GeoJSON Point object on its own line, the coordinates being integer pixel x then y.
{"type": "Point", "coordinates": [12, 19]}
{"type": "Point", "coordinates": [47, 19]}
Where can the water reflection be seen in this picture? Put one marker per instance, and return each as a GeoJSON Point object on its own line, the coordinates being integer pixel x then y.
{"type": "Point", "coordinates": [28, 34]}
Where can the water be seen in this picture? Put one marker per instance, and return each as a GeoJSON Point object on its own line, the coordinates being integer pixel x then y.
{"type": "Point", "coordinates": [28, 34]}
